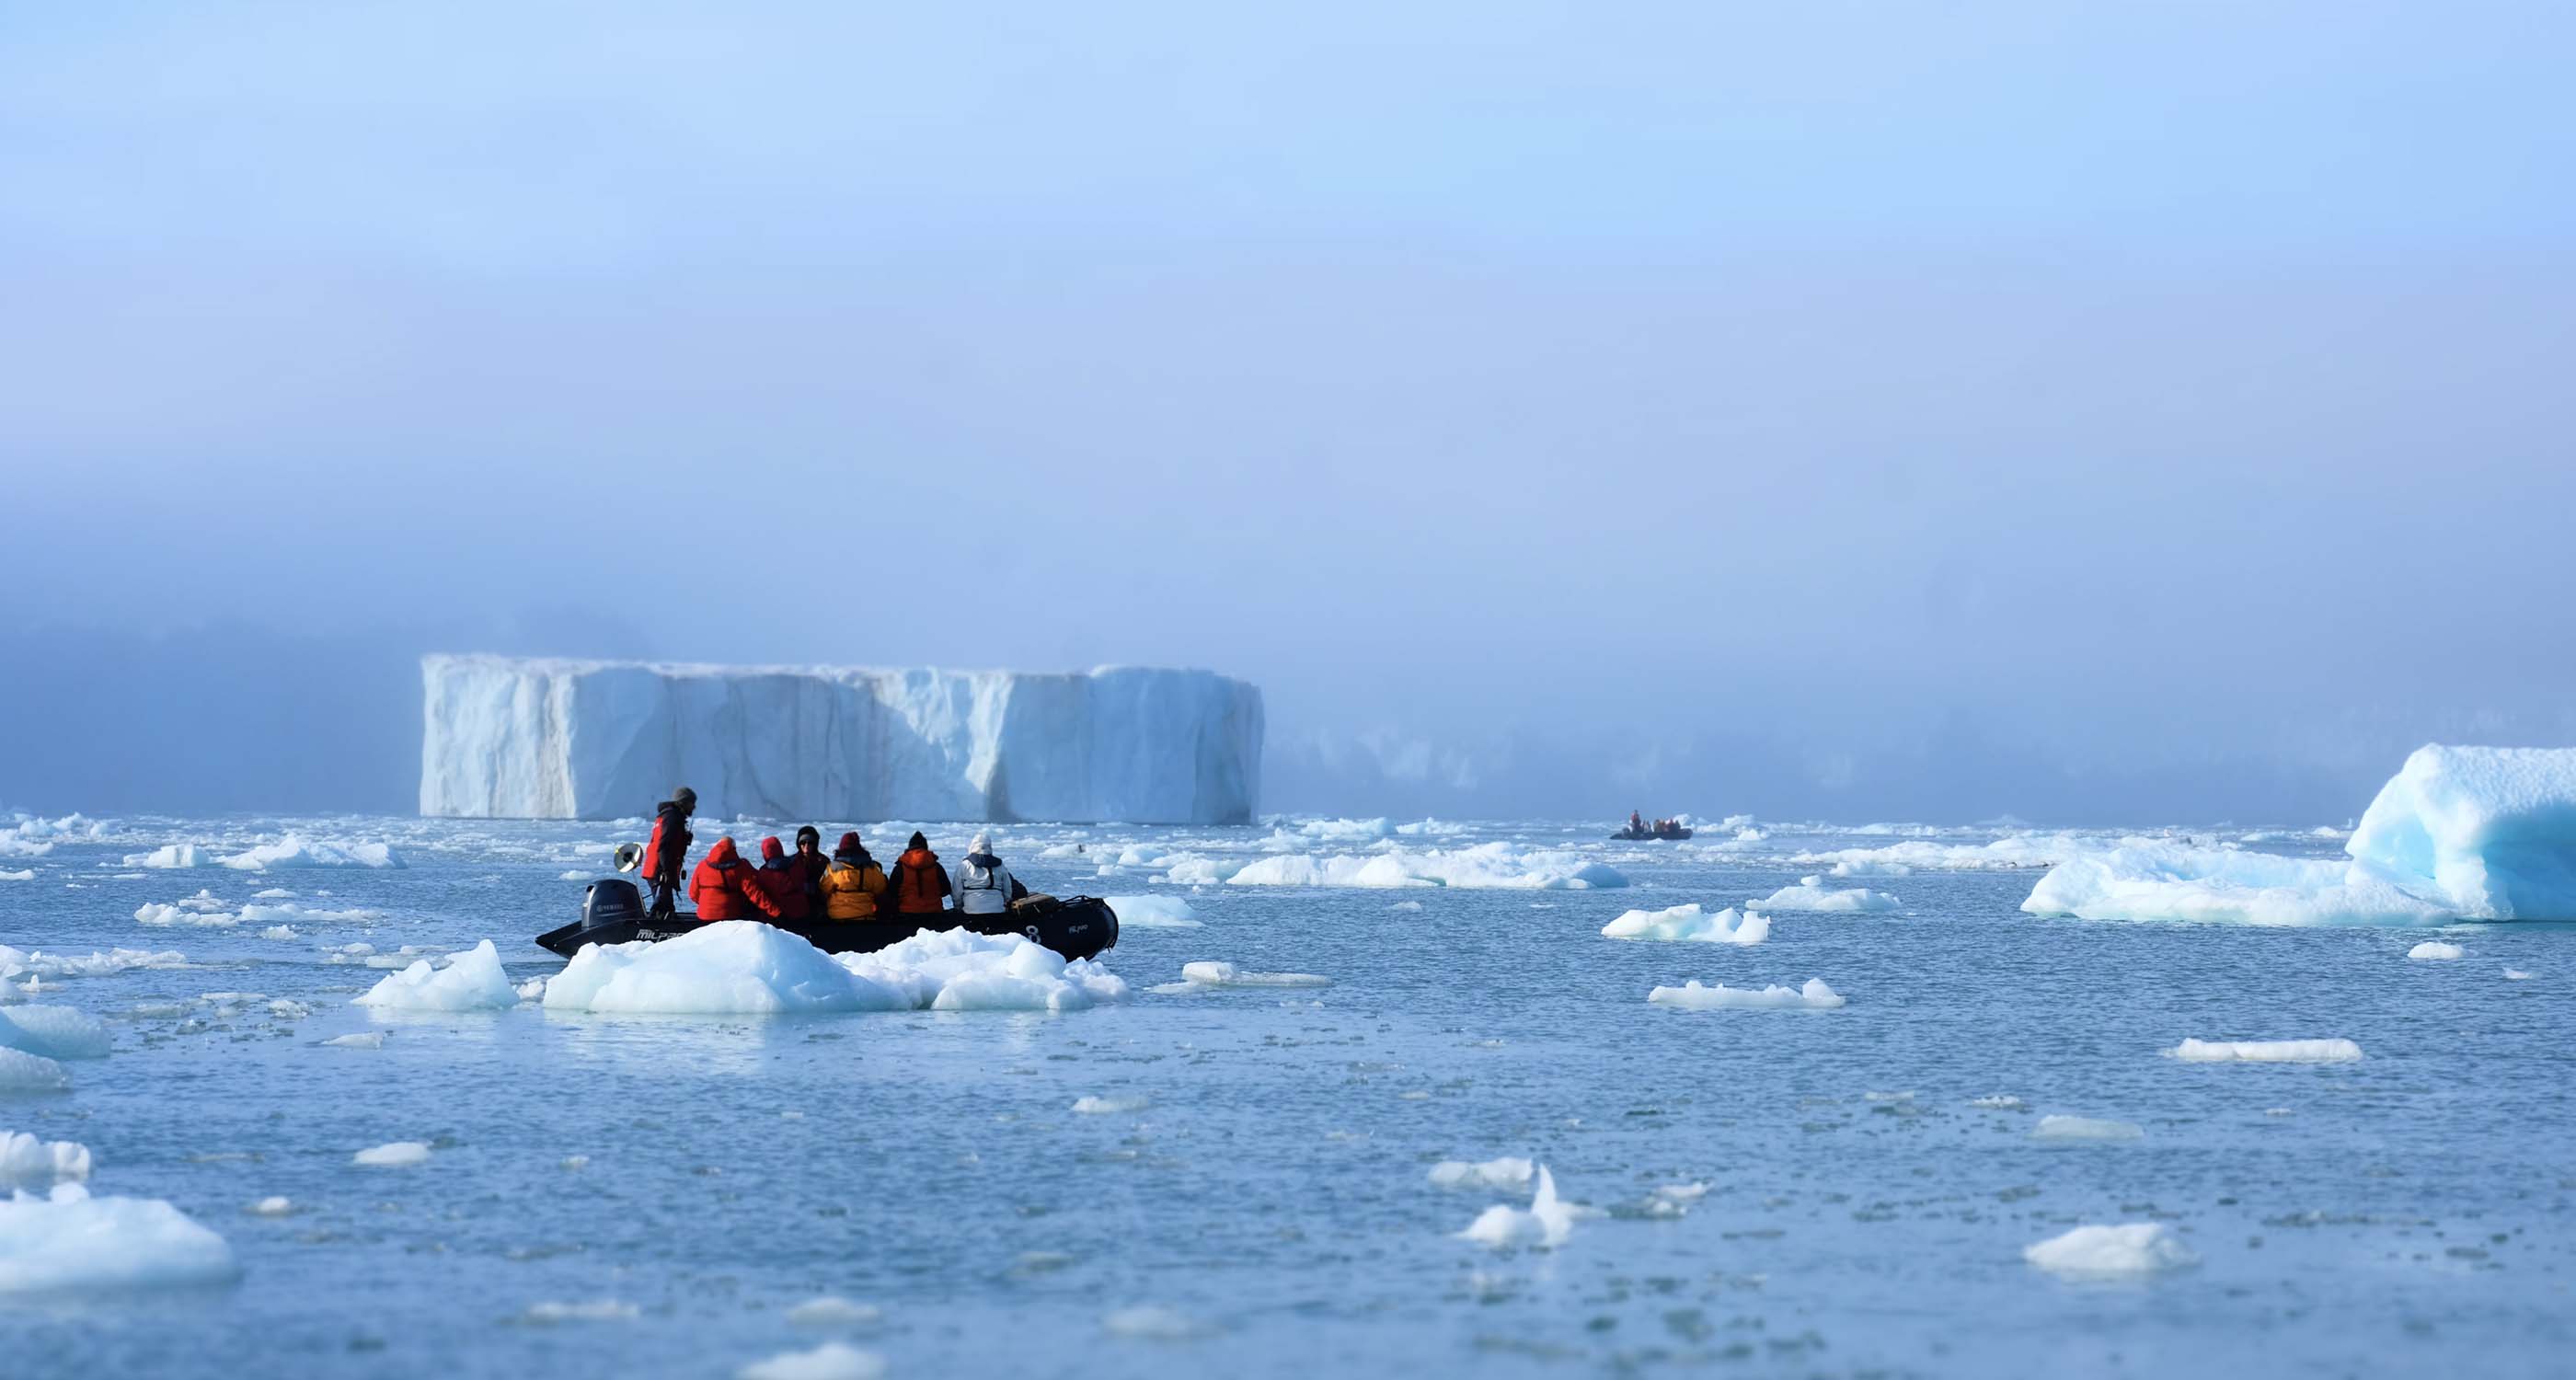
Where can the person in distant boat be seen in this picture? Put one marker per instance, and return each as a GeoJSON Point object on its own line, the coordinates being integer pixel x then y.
{"type": "Point", "coordinates": [853, 886]}
{"type": "Point", "coordinates": [724, 887]}
{"type": "Point", "coordinates": [668, 850]}
{"type": "Point", "coordinates": [810, 865]}
{"type": "Point", "coordinates": [918, 883]}
{"type": "Point", "coordinates": [782, 880]}
{"type": "Point", "coordinates": [984, 886]}
{"type": "Point", "coordinates": [1636, 823]}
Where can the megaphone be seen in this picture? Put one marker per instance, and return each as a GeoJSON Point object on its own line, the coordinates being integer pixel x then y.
{"type": "Point", "coordinates": [630, 856]}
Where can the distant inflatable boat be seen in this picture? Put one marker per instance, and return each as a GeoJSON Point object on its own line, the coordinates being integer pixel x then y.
{"type": "Point", "coordinates": [612, 912]}
{"type": "Point", "coordinates": [1638, 835]}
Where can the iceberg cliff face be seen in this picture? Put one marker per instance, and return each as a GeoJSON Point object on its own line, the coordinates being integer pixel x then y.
{"type": "Point", "coordinates": [547, 739]}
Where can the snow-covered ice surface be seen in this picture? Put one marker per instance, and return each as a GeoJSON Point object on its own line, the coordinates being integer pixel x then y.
{"type": "Point", "coordinates": [1287, 1169]}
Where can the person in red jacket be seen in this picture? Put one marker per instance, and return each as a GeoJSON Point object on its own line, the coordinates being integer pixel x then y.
{"type": "Point", "coordinates": [668, 853]}
{"type": "Point", "coordinates": [724, 887]}
{"type": "Point", "coordinates": [783, 878]}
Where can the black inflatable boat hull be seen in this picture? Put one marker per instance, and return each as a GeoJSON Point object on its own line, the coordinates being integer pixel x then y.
{"type": "Point", "coordinates": [613, 913]}
{"type": "Point", "coordinates": [1649, 835]}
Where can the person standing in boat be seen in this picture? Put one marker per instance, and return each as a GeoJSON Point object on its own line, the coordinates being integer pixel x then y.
{"type": "Point", "coordinates": [1636, 823]}
{"type": "Point", "coordinates": [854, 887]}
{"type": "Point", "coordinates": [984, 886]}
{"type": "Point", "coordinates": [919, 884]}
{"type": "Point", "coordinates": [725, 889]}
{"type": "Point", "coordinates": [810, 864]}
{"type": "Point", "coordinates": [668, 851]}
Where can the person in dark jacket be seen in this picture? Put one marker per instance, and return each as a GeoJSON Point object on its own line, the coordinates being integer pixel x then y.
{"type": "Point", "coordinates": [782, 880]}
{"type": "Point", "coordinates": [811, 864]}
{"type": "Point", "coordinates": [725, 888]}
{"type": "Point", "coordinates": [918, 884]}
{"type": "Point", "coordinates": [668, 852]}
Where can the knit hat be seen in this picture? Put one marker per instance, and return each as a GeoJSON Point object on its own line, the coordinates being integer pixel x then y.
{"type": "Point", "coordinates": [918, 841]}
{"type": "Point", "coordinates": [850, 843]}
{"type": "Point", "coordinates": [685, 798]}
{"type": "Point", "coordinates": [770, 850]}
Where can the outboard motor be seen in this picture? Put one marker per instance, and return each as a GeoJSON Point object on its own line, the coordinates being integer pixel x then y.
{"type": "Point", "coordinates": [610, 900]}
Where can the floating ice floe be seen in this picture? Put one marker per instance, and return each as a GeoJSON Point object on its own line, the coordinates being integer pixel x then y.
{"type": "Point", "coordinates": [1544, 1224]}
{"type": "Point", "coordinates": [1812, 894]}
{"type": "Point", "coordinates": [1691, 923]}
{"type": "Point", "coordinates": [2133, 1248]}
{"type": "Point", "coordinates": [2055, 1127]}
{"type": "Point", "coordinates": [21, 963]}
{"type": "Point", "coordinates": [1108, 1106]}
{"type": "Point", "coordinates": [587, 1310]}
{"type": "Point", "coordinates": [1507, 1172]}
{"type": "Point", "coordinates": [830, 1361]}
{"type": "Point", "coordinates": [295, 851]}
{"type": "Point", "coordinates": [2012, 852]}
{"type": "Point", "coordinates": [832, 1310]}
{"type": "Point", "coordinates": [24, 1072]}
{"type": "Point", "coordinates": [2266, 1052]}
{"type": "Point", "coordinates": [1153, 912]}
{"type": "Point", "coordinates": [169, 855]}
{"type": "Point", "coordinates": [69, 1242]}
{"type": "Point", "coordinates": [1150, 1322]}
{"type": "Point", "coordinates": [26, 1162]}
{"type": "Point", "coordinates": [1815, 996]}
{"type": "Point", "coordinates": [1488, 866]}
{"type": "Point", "coordinates": [2000, 1102]}
{"type": "Point", "coordinates": [2436, 949]}
{"type": "Point", "coordinates": [371, 1039]}
{"type": "Point", "coordinates": [1213, 973]}
{"type": "Point", "coordinates": [471, 981]}
{"type": "Point", "coordinates": [54, 1032]}
{"type": "Point", "coordinates": [2518, 975]}
{"type": "Point", "coordinates": [275, 1206]}
{"type": "Point", "coordinates": [24, 874]}
{"type": "Point", "coordinates": [2460, 833]}
{"type": "Point", "coordinates": [400, 1154]}
{"type": "Point", "coordinates": [203, 909]}
{"type": "Point", "coordinates": [740, 968]}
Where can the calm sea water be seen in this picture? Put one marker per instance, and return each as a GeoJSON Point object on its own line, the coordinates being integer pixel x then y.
{"type": "Point", "coordinates": [2408, 1214]}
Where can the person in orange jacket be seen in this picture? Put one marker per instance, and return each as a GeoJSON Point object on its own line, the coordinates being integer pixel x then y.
{"type": "Point", "coordinates": [918, 884]}
{"type": "Point", "coordinates": [783, 878]}
{"type": "Point", "coordinates": [854, 886]}
{"type": "Point", "coordinates": [724, 888]}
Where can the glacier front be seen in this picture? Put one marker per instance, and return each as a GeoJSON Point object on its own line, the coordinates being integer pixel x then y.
{"type": "Point", "coordinates": [512, 737]}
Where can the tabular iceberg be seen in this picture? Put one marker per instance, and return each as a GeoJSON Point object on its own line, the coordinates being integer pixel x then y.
{"type": "Point", "coordinates": [2460, 833]}
{"type": "Point", "coordinates": [548, 739]}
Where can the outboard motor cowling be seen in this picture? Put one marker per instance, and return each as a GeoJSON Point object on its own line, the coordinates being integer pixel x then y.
{"type": "Point", "coordinates": [610, 900]}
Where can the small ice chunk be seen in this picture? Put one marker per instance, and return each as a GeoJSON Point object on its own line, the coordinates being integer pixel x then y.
{"type": "Point", "coordinates": [576, 1162]}
{"type": "Point", "coordinates": [24, 1072]}
{"type": "Point", "coordinates": [400, 1154]}
{"type": "Point", "coordinates": [1999, 1102]}
{"type": "Point", "coordinates": [589, 1310]}
{"type": "Point", "coordinates": [534, 989]}
{"type": "Point", "coordinates": [1151, 1323]}
{"type": "Point", "coordinates": [1208, 973]}
{"type": "Point", "coordinates": [1815, 996]}
{"type": "Point", "coordinates": [26, 1162]}
{"type": "Point", "coordinates": [279, 932]}
{"type": "Point", "coordinates": [371, 1039]}
{"type": "Point", "coordinates": [2518, 975]}
{"type": "Point", "coordinates": [54, 1032]}
{"type": "Point", "coordinates": [297, 851]}
{"type": "Point", "coordinates": [1153, 912]}
{"type": "Point", "coordinates": [1508, 1172]}
{"type": "Point", "coordinates": [1108, 1106]}
{"type": "Point", "coordinates": [2436, 949]}
{"type": "Point", "coordinates": [1812, 894]}
{"type": "Point", "coordinates": [2054, 1127]}
{"type": "Point", "coordinates": [69, 1242]}
{"type": "Point", "coordinates": [832, 1310]}
{"type": "Point", "coordinates": [1406, 906]}
{"type": "Point", "coordinates": [830, 1361]}
{"type": "Point", "coordinates": [2266, 1051]}
{"type": "Point", "coordinates": [472, 981]}
{"type": "Point", "coordinates": [272, 1207]}
{"type": "Point", "coordinates": [2133, 1248]}
{"type": "Point", "coordinates": [1691, 923]}
{"type": "Point", "coordinates": [1544, 1224]}
{"type": "Point", "coordinates": [24, 874]}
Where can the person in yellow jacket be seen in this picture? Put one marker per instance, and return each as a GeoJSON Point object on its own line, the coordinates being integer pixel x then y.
{"type": "Point", "coordinates": [854, 884]}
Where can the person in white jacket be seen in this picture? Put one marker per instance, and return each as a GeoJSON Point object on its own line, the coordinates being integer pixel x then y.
{"type": "Point", "coordinates": [984, 885]}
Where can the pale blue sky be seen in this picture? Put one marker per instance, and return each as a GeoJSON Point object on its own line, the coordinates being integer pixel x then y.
{"type": "Point", "coordinates": [2064, 408]}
